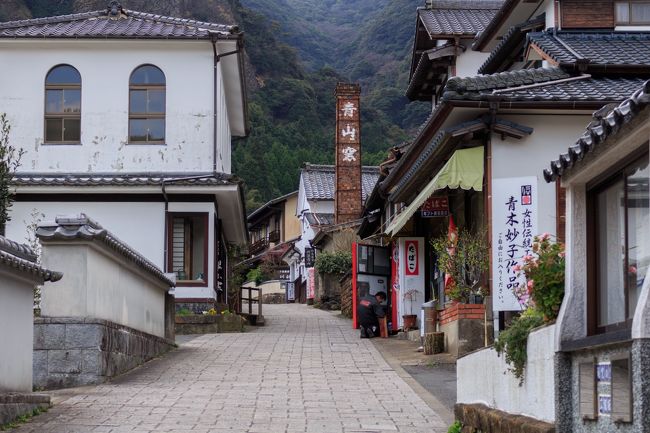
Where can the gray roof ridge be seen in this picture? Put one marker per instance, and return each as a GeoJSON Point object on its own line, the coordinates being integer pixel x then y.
{"type": "Point", "coordinates": [224, 28]}
{"type": "Point", "coordinates": [464, 5]}
{"type": "Point", "coordinates": [599, 130]}
{"type": "Point", "coordinates": [329, 167]}
{"type": "Point", "coordinates": [19, 250]}
{"type": "Point", "coordinates": [69, 227]}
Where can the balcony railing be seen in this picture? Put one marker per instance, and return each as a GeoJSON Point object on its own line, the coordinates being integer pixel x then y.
{"type": "Point", "coordinates": [258, 246]}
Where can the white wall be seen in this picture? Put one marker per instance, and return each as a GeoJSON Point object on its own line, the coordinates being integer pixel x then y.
{"type": "Point", "coordinates": [468, 63]}
{"type": "Point", "coordinates": [140, 225]}
{"type": "Point", "coordinates": [531, 155]}
{"type": "Point", "coordinates": [16, 332]}
{"type": "Point", "coordinates": [105, 68]}
{"type": "Point", "coordinates": [483, 377]}
{"type": "Point", "coordinates": [99, 283]}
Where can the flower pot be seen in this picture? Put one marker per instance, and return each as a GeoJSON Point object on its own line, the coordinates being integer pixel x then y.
{"type": "Point", "coordinates": [410, 321]}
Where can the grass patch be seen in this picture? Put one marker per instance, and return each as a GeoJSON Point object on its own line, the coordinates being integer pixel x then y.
{"type": "Point", "coordinates": [23, 419]}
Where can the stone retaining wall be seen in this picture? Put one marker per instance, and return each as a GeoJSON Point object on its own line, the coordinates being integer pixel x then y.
{"type": "Point", "coordinates": [478, 418]}
{"type": "Point", "coordinates": [72, 352]}
{"type": "Point", "coordinates": [14, 405]}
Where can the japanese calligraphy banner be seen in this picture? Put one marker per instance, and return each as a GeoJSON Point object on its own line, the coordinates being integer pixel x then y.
{"type": "Point", "coordinates": [514, 225]}
{"type": "Point", "coordinates": [311, 283]}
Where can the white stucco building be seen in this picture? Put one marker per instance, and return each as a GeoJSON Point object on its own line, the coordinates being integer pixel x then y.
{"type": "Point", "coordinates": [128, 116]}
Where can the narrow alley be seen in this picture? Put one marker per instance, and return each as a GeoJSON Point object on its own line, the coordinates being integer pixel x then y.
{"type": "Point", "coordinates": [306, 371]}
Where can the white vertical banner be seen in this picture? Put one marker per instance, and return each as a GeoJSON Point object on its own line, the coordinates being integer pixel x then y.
{"type": "Point", "coordinates": [514, 225]}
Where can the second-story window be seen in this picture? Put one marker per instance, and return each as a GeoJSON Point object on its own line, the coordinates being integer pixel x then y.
{"type": "Point", "coordinates": [147, 106]}
{"type": "Point", "coordinates": [63, 105]}
{"type": "Point", "coordinates": [633, 13]}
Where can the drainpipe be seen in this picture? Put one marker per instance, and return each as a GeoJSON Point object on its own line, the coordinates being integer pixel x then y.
{"type": "Point", "coordinates": [214, 36]}
{"type": "Point", "coordinates": [494, 108]}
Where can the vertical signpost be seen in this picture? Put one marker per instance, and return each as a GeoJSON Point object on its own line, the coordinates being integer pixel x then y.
{"type": "Point", "coordinates": [348, 204]}
{"type": "Point", "coordinates": [514, 225]}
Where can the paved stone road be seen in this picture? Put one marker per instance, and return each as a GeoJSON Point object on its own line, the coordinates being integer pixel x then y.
{"type": "Point", "coordinates": [306, 371]}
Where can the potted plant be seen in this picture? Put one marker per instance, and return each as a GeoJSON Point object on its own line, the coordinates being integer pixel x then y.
{"type": "Point", "coordinates": [410, 320]}
{"type": "Point", "coordinates": [464, 260]}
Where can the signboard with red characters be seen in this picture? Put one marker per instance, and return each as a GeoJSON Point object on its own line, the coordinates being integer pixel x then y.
{"type": "Point", "coordinates": [435, 206]}
{"type": "Point", "coordinates": [412, 260]}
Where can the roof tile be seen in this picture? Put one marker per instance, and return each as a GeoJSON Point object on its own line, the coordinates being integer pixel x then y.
{"type": "Point", "coordinates": [458, 18]}
{"type": "Point", "coordinates": [319, 181]}
{"type": "Point", "coordinates": [102, 24]}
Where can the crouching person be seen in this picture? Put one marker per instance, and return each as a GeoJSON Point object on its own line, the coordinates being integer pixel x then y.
{"type": "Point", "coordinates": [369, 311]}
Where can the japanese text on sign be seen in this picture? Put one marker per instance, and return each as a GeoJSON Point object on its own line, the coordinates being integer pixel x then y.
{"type": "Point", "coordinates": [514, 208]}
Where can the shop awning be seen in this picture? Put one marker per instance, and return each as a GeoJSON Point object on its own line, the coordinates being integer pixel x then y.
{"type": "Point", "coordinates": [463, 170]}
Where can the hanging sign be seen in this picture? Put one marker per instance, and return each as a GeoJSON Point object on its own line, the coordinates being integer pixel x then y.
{"type": "Point", "coordinates": [310, 257]}
{"type": "Point", "coordinates": [411, 265]}
{"type": "Point", "coordinates": [514, 225]}
{"type": "Point", "coordinates": [311, 283]}
{"type": "Point", "coordinates": [291, 291]}
{"type": "Point", "coordinates": [435, 206]}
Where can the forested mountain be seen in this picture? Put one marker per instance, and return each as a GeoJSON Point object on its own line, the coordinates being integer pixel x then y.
{"type": "Point", "coordinates": [297, 51]}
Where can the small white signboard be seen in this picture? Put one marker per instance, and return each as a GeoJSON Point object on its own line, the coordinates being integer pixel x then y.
{"type": "Point", "coordinates": [514, 225]}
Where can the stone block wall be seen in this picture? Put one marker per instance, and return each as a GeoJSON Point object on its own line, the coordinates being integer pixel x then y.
{"type": "Point", "coordinates": [72, 352]}
{"type": "Point", "coordinates": [346, 296]}
{"type": "Point", "coordinates": [14, 405]}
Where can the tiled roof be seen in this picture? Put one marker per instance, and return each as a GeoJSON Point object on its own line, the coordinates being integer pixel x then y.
{"type": "Point", "coordinates": [510, 44]}
{"type": "Point", "coordinates": [611, 48]}
{"type": "Point", "coordinates": [319, 181]}
{"type": "Point", "coordinates": [82, 227]}
{"type": "Point", "coordinates": [542, 84]}
{"type": "Point", "coordinates": [22, 259]}
{"type": "Point", "coordinates": [116, 179]}
{"type": "Point", "coordinates": [599, 130]}
{"type": "Point", "coordinates": [448, 134]}
{"type": "Point", "coordinates": [113, 22]}
{"type": "Point", "coordinates": [268, 204]}
{"type": "Point", "coordinates": [458, 17]}
{"type": "Point", "coordinates": [319, 219]}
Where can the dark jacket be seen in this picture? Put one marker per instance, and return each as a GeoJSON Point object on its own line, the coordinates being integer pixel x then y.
{"type": "Point", "coordinates": [368, 311]}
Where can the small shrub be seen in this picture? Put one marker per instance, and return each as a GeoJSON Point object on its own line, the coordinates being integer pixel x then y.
{"type": "Point", "coordinates": [256, 275]}
{"type": "Point", "coordinates": [456, 427]}
{"type": "Point", "coordinates": [465, 260]}
{"type": "Point", "coordinates": [184, 312]}
{"type": "Point", "coordinates": [338, 263]}
{"type": "Point", "coordinates": [544, 272]}
{"type": "Point", "coordinates": [514, 341]}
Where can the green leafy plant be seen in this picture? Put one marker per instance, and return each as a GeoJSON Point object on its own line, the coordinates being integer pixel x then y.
{"type": "Point", "coordinates": [10, 157]}
{"type": "Point", "coordinates": [184, 312]}
{"type": "Point", "coordinates": [513, 341]}
{"type": "Point", "coordinates": [465, 261]}
{"type": "Point", "coordinates": [256, 275]}
{"type": "Point", "coordinates": [544, 272]}
{"type": "Point", "coordinates": [338, 263]}
{"type": "Point", "coordinates": [456, 427]}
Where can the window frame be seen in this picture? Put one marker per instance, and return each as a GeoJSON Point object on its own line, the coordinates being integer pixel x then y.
{"type": "Point", "coordinates": [631, 21]}
{"type": "Point", "coordinates": [206, 246]}
{"type": "Point", "coordinates": [617, 173]}
{"type": "Point", "coordinates": [147, 115]}
{"type": "Point", "coordinates": [62, 116]}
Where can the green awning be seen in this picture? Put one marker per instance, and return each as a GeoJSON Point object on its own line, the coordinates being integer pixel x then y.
{"type": "Point", "coordinates": [463, 170]}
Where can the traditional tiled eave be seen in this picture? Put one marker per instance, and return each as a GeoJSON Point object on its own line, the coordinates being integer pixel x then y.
{"type": "Point", "coordinates": [500, 17]}
{"type": "Point", "coordinates": [599, 132]}
{"type": "Point", "coordinates": [594, 51]}
{"type": "Point", "coordinates": [116, 22]}
{"type": "Point", "coordinates": [431, 71]}
{"type": "Point", "coordinates": [81, 227]}
{"type": "Point", "coordinates": [444, 143]}
{"type": "Point", "coordinates": [538, 89]}
{"type": "Point", "coordinates": [511, 46]}
{"type": "Point", "coordinates": [263, 212]}
{"type": "Point", "coordinates": [22, 259]}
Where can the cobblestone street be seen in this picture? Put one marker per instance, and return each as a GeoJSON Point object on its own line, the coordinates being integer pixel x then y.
{"type": "Point", "coordinates": [306, 371]}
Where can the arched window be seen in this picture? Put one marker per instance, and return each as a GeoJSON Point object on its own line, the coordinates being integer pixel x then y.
{"type": "Point", "coordinates": [147, 105]}
{"type": "Point", "coordinates": [63, 105]}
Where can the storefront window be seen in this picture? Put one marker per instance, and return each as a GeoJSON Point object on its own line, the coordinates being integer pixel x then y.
{"type": "Point", "coordinates": [189, 248]}
{"type": "Point", "coordinates": [621, 227]}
